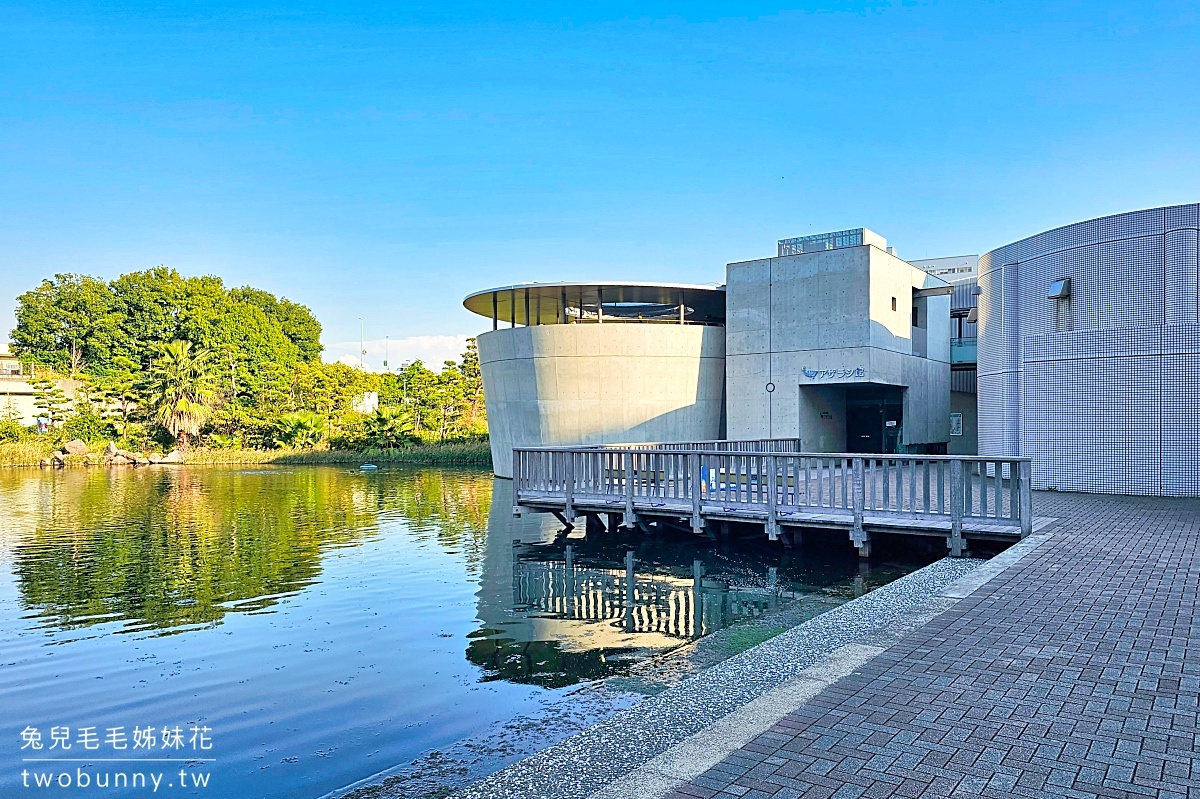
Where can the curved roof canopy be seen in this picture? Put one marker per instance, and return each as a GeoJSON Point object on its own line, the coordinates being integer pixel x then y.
{"type": "Point", "coordinates": [559, 303]}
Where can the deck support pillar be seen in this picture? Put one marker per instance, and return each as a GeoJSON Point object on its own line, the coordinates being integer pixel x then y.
{"type": "Point", "coordinates": [558, 515]}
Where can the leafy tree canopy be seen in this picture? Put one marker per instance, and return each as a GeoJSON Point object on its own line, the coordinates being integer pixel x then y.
{"type": "Point", "coordinates": [80, 324]}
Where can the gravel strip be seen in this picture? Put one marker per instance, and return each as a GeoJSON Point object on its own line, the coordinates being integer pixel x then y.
{"type": "Point", "coordinates": [584, 763]}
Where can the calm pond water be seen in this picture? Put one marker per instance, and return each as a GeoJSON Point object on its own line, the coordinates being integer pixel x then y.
{"type": "Point", "coordinates": [316, 625]}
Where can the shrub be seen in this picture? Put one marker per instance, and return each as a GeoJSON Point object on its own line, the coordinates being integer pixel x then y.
{"type": "Point", "coordinates": [299, 430]}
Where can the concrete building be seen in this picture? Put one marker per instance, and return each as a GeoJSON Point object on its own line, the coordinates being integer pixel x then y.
{"type": "Point", "coordinates": [601, 363]}
{"type": "Point", "coordinates": [961, 272]}
{"type": "Point", "coordinates": [1089, 353]}
{"type": "Point", "coordinates": [841, 344]}
{"type": "Point", "coordinates": [952, 268]}
{"type": "Point", "coordinates": [18, 397]}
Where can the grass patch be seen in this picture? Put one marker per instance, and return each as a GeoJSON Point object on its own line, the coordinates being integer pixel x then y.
{"type": "Point", "coordinates": [454, 453]}
{"type": "Point", "coordinates": [738, 639]}
{"type": "Point", "coordinates": [25, 453]}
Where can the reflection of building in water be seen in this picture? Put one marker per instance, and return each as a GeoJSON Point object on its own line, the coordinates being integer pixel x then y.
{"type": "Point", "coordinates": [661, 604]}
{"type": "Point", "coordinates": [554, 617]}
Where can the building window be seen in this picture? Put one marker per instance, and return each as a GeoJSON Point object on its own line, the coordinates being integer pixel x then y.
{"type": "Point", "coordinates": [1060, 298]}
{"type": "Point", "coordinates": [893, 303]}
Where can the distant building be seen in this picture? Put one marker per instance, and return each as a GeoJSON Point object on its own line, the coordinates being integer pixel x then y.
{"type": "Point", "coordinates": [951, 269]}
{"type": "Point", "coordinates": [17, 395]}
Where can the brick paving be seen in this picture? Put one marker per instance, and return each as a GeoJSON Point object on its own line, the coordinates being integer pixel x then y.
{"type": "Point", "coordinates": [1076, 673]}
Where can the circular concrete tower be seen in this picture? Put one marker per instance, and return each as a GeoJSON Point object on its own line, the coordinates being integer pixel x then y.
{"type": "Point", "coordinates": [600, 363]}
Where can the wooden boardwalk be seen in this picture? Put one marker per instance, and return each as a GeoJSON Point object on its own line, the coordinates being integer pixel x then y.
{"type": "Point", "coordinates": [769, 483]}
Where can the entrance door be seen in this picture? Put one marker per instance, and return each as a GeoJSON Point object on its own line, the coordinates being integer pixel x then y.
{"type": "Point", "coordinates": [864, 427]}
{"type": "Point", "coordinates": [874, 417]}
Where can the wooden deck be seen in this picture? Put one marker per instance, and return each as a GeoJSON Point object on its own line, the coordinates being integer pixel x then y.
{"type": "Point", "coordinates": [769, 483]}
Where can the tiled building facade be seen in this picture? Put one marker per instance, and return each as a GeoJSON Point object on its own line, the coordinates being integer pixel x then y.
{"type": "Point", "coordinates": [1089, 353]}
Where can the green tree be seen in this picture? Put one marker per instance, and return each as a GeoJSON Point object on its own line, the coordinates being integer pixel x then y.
{"type": "Point", "coordinates": [474, 416]}
{"type": "Point", "coordinates": [68, 323]}
{"type": "Point", "coordinates": [50, 399]}
{"type": "Point", "coordinates": [181, 389]}
{"type": "Point", "coordinates": [123, 387]}
{"type": "Point", "coordinates": [450, 399]}
{"type": "Point", "coordinates": [301, 429]}
{"type": "Point", "coordinates": [295, 321]}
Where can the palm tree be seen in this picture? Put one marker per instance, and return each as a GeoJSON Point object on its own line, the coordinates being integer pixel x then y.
{"type": "Point", "coordinates": [390, 426]}
{"type": "Point", "coordinates": [181, 389]}
{"type": "Point", "coordinates": [301, 429]}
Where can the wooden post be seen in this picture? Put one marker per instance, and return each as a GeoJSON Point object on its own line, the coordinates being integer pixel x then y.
{"type": "Point", "coordinates": [630, 516]}
{"type": "Point", "coordinates": [697, 599]}
{"type": "Point", "coordinates": [569, 487]}
{"type": "Point", "coordinates": [858, 535]}
{"type": "Point", "coordinates": [694, 483]}
{"type": "Point", "coordinates": [516, 508]}
{"type": "Point", "coordinates": [772, 511]}
{"type": "Point", "coordinates": [958, 496]}
{"type": "Point", "coordinates": [1026, 478]}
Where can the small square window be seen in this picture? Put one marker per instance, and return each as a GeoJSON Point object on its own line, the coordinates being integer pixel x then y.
{"type": "Point", "coordinates": [1060, 289]}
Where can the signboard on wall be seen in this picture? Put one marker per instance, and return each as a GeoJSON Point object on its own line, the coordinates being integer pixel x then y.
{"type": "Point", "coordinates": [956, 424]}
{"type": "Point", "coordinates": [848, 373]}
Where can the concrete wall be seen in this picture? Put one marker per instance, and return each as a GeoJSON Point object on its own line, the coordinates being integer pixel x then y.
{"type": "Point", "coordinates": [1111, 403]}
{"type": "Point", "coordinates": [826, 319]}
{"type": "Point", "coordinates": [968, 442]}
{"type": "Point", "coordinates": [551, 385]}
{"type": "Point", "coordinates": [17, 398]}
{"type": "Point", "coordinates": [822, 412]}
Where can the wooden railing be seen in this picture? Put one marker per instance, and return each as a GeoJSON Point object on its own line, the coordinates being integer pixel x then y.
{"type": "Point", "coordinates": [747, 445]}
{"type": "Point", "coordinates": [778, 484]}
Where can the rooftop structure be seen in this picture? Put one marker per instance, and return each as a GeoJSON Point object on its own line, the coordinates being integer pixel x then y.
{"type": "Point", "coordinates": [855, 237]}
{"type": "Point", "coordinates": [530, 304]}
{"type": "Point", "coordinates": [952, 268]}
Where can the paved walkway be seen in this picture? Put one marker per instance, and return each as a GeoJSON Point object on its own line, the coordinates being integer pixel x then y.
{"type": "Point", "coordinates": [1076, 673]}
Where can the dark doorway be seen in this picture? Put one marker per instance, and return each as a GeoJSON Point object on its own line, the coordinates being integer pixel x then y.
{"type": "Point", "coordinates": [874, 418]}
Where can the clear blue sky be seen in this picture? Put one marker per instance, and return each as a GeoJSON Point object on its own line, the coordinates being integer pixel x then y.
{"type": "Point", "coordinates": [384, 160]}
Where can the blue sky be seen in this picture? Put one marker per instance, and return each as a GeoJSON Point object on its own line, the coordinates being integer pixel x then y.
{"type": "Point", "coordinates": [382, 161]}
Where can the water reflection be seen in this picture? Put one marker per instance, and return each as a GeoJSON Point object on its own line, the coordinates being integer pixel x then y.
{"type": "Point", "coordinates": [170, 549]}
{"type": "Point", "coordinates": [556, 611]}
{"type": "Point", "coordinates": [303, 611]}
{"type": "Point", "coordinates": [166, 551]}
